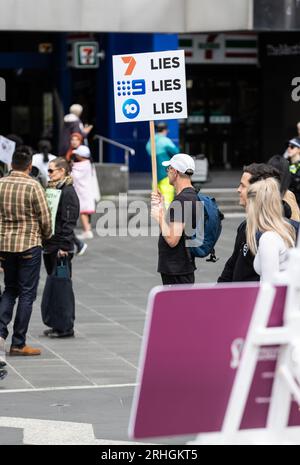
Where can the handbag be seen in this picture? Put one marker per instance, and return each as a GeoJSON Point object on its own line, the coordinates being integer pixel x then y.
{"type": "Point", "coordinates": [58, 301]}
{"type": "Point", "coordinates": [95, 185]}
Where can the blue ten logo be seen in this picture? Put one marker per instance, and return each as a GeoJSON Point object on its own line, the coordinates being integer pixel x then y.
{"type": "Point", "coordinates": [130, 108]}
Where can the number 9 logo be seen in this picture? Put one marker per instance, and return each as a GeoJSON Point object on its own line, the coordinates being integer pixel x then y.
{"type": "Point", "coordinates": [130, 108]}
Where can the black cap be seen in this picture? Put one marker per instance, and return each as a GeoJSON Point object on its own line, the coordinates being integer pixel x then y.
{"type": "Point", "coordinates": [295, 141]}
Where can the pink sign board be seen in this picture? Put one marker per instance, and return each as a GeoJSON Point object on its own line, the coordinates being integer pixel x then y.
{"type": "Point", "coordinates": [186, 376]}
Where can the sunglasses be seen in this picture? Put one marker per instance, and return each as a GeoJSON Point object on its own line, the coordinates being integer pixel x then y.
{"type": "Point", "coordinates": [291, 146]}
{"type": "Point", "coordinates": [50, 171]}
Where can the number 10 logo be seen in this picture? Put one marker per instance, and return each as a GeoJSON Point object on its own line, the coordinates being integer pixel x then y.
{"type": "Point", "coordinates": [130, 108]}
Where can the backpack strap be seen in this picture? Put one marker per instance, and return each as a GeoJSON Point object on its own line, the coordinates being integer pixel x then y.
{"type": "Point", "coordinates": [187, 249]}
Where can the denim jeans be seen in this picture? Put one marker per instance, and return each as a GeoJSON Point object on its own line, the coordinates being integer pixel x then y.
{"type": "Point", "coordinates": [21, 278]}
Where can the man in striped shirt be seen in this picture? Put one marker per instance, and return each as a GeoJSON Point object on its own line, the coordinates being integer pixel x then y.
{"type": "Point", "coordinates": [24, 222]}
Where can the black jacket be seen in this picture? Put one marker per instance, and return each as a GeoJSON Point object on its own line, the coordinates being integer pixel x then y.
{"type": "Point", "coordinates": [239, 267]}
{"type": "Point", "coordinates": [295, 181]}
{"type": "Point", "coordinates": [66, 220]}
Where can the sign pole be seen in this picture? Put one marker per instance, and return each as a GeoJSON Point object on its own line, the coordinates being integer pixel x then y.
{"type": "Point", "coordinates": [153, 156]}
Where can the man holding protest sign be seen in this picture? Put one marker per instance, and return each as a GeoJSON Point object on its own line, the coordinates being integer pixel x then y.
{"type": "Point", "coordinates": [175, 263]}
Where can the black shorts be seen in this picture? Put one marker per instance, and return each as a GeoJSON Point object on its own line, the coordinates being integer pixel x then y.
{"type": "Point", "coordinates": [178, 279]}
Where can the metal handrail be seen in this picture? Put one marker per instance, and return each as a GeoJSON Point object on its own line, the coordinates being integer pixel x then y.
{"type": "Point", "coordinates": [128, 150]}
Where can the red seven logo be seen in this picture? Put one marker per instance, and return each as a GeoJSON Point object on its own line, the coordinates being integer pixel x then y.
{"type": "Point", "coordinates": [131, 64]}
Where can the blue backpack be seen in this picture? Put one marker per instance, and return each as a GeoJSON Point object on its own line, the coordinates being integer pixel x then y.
{"type": "Point", "coordinates": [208, 235]}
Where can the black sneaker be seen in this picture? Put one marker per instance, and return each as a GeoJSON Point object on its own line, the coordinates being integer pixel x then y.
{"type": "Point", "coordinates": [2, 365]}
{"type": "Point", "coordinates": [56, 334]}
{"type": "Point", "coordinates": [47, 332]}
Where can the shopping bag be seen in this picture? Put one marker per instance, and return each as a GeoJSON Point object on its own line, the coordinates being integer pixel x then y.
{"type": "Point", "coordinates": [58, 301]}
{"type": "Point", "coordinates": [95, 185]}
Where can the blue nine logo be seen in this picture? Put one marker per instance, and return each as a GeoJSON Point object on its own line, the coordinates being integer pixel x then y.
{"type": "Point", "coordinates": [130, 108]}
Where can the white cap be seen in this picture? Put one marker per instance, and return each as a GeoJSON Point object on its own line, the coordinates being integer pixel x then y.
{"type": "Point", "coordinates": [82, 151]}
{"type": "Point", "coordinates": [181, 162]}
{"type": "Point", "coordinates": [76, 109]}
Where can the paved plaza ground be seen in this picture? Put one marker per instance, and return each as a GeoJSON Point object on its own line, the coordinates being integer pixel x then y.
{"type": "Point", "coordinates": [89, 380]}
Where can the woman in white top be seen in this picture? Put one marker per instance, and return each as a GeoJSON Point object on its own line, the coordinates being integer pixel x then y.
{"type": "Point", "coordinates": [41, 161]}
{"type": "Point", "coordinates": [269, 235]}
{"type": "Point", "coordinates": [82, 176]}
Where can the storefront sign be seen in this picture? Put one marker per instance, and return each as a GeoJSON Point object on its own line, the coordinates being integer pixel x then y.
{"type": "Point", "coordinates": [220, 119]}
{"type": "Point", "coordinates": [283, 50]}
{"type": "Point", "coordinates": [149, 86]}
{"type": "Point", "coordinates": [279, 47]}
{"type": "Point", "coordinates": [220, 48]}
{"type": "Point", "coordinates": [86, 54]}
{"type": "Point", "coordinates": [196, 119]}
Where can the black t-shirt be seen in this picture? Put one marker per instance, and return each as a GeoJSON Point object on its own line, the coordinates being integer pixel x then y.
{"type": "Point", "coordinates": [178, 260]}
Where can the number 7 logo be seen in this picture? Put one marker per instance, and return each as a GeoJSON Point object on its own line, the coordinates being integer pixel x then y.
{"type": "Point", "coordinates": [131, 64]}
{"type": "Point", "coordinates": [88, 54]}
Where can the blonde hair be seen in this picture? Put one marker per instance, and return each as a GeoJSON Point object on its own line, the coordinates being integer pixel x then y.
{"type": "Point", "coordinates": [265, 213]}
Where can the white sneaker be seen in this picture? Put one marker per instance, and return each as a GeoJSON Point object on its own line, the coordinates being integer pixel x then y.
{"type": "Point", "coordinates": [85, 235]}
